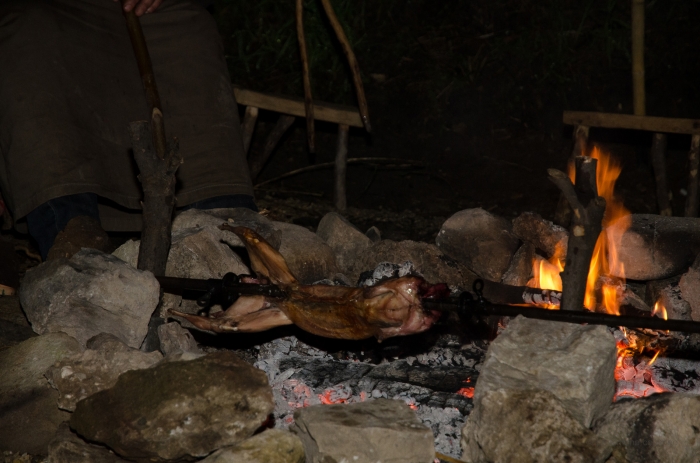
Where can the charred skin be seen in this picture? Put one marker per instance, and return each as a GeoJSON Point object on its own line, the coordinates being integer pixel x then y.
{"type": "Point", "coordinates": [392, 308]}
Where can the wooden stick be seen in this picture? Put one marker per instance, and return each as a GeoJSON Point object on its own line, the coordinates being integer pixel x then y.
{"type": "Point", "coordinates": [352, 62]}
{"type": "Point", "coordinates": [341, 167]}
{"type": "Point", "coordinates": [402, 163]}
{"type": "Point", "coordinates": [562, 214]}
{"type": "Point", "coordinates": [328, 112]}
{"type": "Point", "coordinates": [693, 201]}
{"type": "Point", "coordinates": [248, 126]}
{"type": "Point", "coordinates": [308, 100]}
{"type": "Point", "coordinates": [658, 161]}
{"type": "Point", "coordinates": [258, 162]}
{"type": "Point", "coordinates": [586, 224]}
{"type": "Point", "coordinates": [157, 177]}
{"type": "Point", "coordinates": [638, 57]}
{"type": "Point", "coordinates": [143, 59]}
{"type": "Point", "coordinates": [631, 122]}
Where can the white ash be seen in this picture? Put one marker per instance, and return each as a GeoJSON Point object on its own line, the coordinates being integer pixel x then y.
{"type": "Point", "coordinates": [385, 271]}
{"type": "Point", "coordinates": [291, 393]}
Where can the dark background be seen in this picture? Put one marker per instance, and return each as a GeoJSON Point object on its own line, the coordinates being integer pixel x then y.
{"type": "Point", "coordinates": [473, 90]}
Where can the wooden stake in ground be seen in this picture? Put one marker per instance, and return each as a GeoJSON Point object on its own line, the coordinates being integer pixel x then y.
{"type": "Point", "coordinates": [658, 161]}
{"type": "Point", "coordinates": [692, 203]}
{"type": "Point", "coordinates": [341, 167]}
{"type": "Point", "coordinates": [308, 100]}
{"type": "Point", "coordinates": [586, 224]}
{"type": "Point", "coordinates": [157, 177]}
{"type": "Point", "coordinates": [157, 165]}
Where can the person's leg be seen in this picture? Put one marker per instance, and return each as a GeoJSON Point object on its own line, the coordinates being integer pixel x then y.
{"type": "Point", "coordinates": [47, 220]}
{"type": "Point", "coordinates": [227, 201]}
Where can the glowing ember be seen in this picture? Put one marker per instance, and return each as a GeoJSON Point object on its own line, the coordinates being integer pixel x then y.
{"type": "Point", "coordinates": [467, 392]}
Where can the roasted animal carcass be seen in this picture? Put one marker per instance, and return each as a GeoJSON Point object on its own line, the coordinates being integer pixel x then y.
{"type": "Point", "coordinates": [391, 308]}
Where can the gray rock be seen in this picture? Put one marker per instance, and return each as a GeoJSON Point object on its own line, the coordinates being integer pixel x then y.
{"type": "Point", "coordinates": [367, 432]}
{"type": "Point", "coordinates": [200, 253]}
{"type": "Point", "coordinates": [668, 293]}
{"type": "Point", "coordinates": [656, 247]}
{"type": "Point", "coordinates": [174, 338]}
{"type": "Point", "coordinates": [129, 252]}
{"type": "Point", "coordinates": [177, 409]}
{"type": "Point", "coordinates": [374, 234]}
{"type": "Point", "coordinates": [663, 428]}
{"type": "Point", "coordinates": [690, 289]}
{"type": "Point", "coordinates": [89, 294]}
{"type": "Point", "coordinates": [271, 446]}
{"type": "Point", "coordinates": [527, 427]}
{"type": "Point", "coordinates": [574, 362]}
{"type": "Point", "coordinates": [68, 447]}
{"type": "Point", "coordinates": [237, 217]}
{"type": "Point", "coordinates": [480, 240]}
{"type": "Point", "coordinates": [518, 273]}
{"type": "Point", "coordinates": [96, 369]}
{"type": "Point", "coordinates": [543, 234]}
{"type": "Point", "coordinates": [29, 415]}
{"type": "Point", "coordinates": [427, 259]}
{"type": "Point", "coordinates": [309, 258]}
{"type": "Point", "coordinates": [346, 240]}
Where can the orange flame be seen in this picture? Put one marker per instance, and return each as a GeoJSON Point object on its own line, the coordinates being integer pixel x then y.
{"type": "Point", "coordinates": [605, 260]}
{"type": "Point", "coordinates": [546, 274]}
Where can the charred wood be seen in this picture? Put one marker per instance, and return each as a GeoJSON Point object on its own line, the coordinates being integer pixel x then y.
{"type": "Point", "coordinates": [588, 210]}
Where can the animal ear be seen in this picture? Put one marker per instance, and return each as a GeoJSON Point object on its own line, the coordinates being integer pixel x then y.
{"type": "Point", "coordinates": [264, 259]}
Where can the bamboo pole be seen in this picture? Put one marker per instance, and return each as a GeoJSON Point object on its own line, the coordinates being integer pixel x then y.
{"type": "Point", "coordinates": [639, 97]}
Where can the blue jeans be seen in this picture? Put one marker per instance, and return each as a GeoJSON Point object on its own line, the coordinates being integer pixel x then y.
{"type": "Point", "coordinates": [47, 220]}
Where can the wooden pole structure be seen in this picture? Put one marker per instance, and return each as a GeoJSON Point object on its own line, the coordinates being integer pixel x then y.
{"type": "Point", "coordinates": [257, 162]}
{"type": "Point", "coordinates": [308, 100]}
{"type": "Point", "coordinates": [586, 224]}
{"type": "Point", "coordinates": [341, 163]}
{"type": "Point", "coordinates": [248, 126]}
{"type": "Point", "coordinates": [693, 202]}
{"type": "Point", "coordinates": [639, 97]}
{"type": "Point", "coordinates": [157, 165]}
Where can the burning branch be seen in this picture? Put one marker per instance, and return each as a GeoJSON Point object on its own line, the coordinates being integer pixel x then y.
{"type": "Point", "coordinates": [586, 224]}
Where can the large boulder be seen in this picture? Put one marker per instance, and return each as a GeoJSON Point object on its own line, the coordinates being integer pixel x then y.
{"type": "Point", "coordinates": [89, 294]}
{"type": "Point", "coordinates": [68, 447]}
{"type": "Point", "coordinates": [346, 240]}
{"type": "Point", "coordinates": [480, 240]}
{"type": "Point", "coordinates": [656, 247]}
{"type": "Point", "coordinates": [576, 363]}
{"type": "Point", "coordinates": [543, 234]}
{"type": "Point", "coordinates": [29, 416]}
{"type": "Point", "coordinates": [367, 432]}
{"type": "Point", "coordinates": [663, 428]}
{"type": "Point", "coordinates": [690, 289]}
{"type": "Point", "coordinates": [426, 258]}
{"type": "Point", "coordinates": [177, 409]}
{"type": "Point", "coordinates": [96, 369]}
{"type": "Point", "coordinates": [271, 446]}
{"type": "Point", "coordinates": [309, 258]}
{"type": "Point", "coordinates": [527, 426]}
